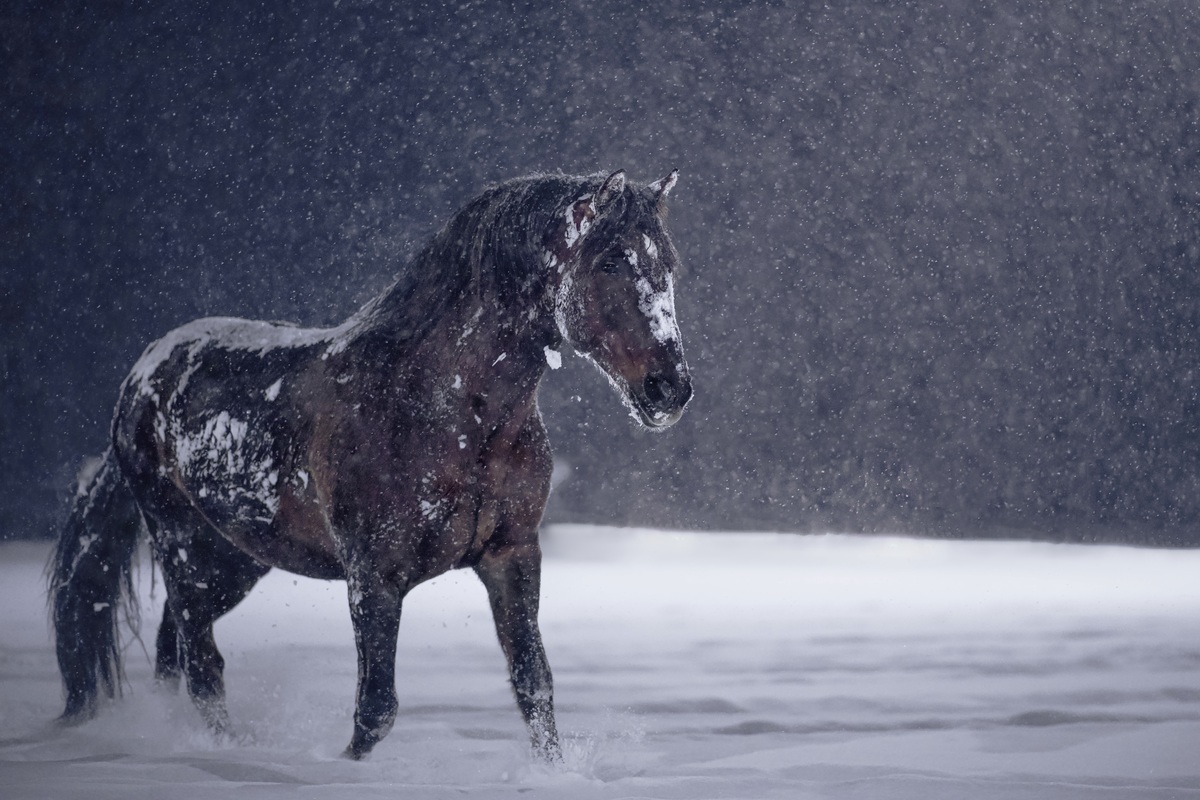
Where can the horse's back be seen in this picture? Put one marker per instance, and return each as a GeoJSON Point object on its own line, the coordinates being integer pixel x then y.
{"type": "Point", "coordinates": [210, 421]}
{"type": "Point", "coordinates": [153, 374]}
{"type": "Point", "coordinates": [208, 366]}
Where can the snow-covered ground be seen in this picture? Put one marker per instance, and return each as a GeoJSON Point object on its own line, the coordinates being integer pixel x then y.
{"type": "Point", "coordinates": [686, 666]}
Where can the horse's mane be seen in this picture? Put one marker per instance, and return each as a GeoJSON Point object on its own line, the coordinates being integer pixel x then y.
{"type": "Point", "coordinates": [485, 253]}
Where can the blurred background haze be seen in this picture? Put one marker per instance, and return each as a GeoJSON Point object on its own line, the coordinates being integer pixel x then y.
{"type": "Point", "coordinates": [941, 258]}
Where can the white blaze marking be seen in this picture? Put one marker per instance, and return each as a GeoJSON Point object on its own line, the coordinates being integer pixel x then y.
{"type": "Point", "coordinates": [659, 308]}
{"type": "Point", "coordinates": [651, 250]}
{"type": "Point", "coordinates": [273, 390]}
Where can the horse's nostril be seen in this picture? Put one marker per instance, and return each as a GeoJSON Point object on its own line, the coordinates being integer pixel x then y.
{"type": "Point", "coordinates": [659, 390]}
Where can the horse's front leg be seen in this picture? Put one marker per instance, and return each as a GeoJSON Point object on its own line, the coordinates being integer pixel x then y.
{"type": "Point", "coordinates": [375, 613]}
{"type": "Point", "coordinates": [513, 580]}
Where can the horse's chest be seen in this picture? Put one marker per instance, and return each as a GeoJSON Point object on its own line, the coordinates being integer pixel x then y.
{"type": "Point", "coordinates": [464, 496]}
{"type": "Point", "coordinates": [428, 492]}
{"type": "Point", "coordinates": [457, 505]}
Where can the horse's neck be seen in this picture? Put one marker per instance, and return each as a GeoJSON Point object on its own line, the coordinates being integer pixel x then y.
{"type": "Point", "coordinates": [485, 270]}
{"type": "Point", "coordinates": [477, 345]}
{"type": "Point", "coordinates": [489, 350]}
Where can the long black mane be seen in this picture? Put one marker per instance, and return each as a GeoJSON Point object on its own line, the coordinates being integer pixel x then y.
{"type": "Point", "coordinates": [490, 251]}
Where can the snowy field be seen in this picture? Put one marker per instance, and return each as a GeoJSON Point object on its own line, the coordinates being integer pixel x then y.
{"type": "Point", "coordinates": [686, 666]}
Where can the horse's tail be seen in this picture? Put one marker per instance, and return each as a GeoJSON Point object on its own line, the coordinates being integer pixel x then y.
{"type": "Point", "coordinates": [90, 578]}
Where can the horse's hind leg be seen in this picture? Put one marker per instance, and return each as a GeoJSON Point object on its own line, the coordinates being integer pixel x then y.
{"type": "Point", "coordinates": [166, 650]}
{"type": "Point", "coordinates": [205, 578]}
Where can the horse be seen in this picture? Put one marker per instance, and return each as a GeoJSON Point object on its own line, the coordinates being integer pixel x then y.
{"type": "Point", "coordinates": [401, 444]}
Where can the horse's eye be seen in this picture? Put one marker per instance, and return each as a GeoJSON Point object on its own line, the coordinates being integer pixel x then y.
{"type": "Point", "coordinates": [610, 268]}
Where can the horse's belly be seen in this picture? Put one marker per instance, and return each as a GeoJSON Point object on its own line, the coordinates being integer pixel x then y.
{"type": "Point", "coordinates": [272, 514]}
{"type": "Point", "coordinates": [294, 539]}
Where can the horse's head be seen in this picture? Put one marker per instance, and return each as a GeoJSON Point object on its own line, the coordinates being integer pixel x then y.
{"type": "Point", "coordinates": [616, 302]}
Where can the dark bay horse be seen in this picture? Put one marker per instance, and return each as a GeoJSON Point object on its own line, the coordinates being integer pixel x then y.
{"type": "Point", "coordinates": [401, 444]}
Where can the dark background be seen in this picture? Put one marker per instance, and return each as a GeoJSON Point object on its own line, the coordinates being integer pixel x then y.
{"type": "Point", "coordinates": [943, 260]}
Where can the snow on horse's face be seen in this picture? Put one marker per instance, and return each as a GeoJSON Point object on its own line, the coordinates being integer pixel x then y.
{"type": "Point", "coordinates": [616, 304]}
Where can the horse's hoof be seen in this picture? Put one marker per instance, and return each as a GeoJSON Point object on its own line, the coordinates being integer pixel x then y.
{"type": "Point", "coordinates": [216, 718]}
{"type": "Point", "coordinates": [76, 714]}
{"type": "Point", "coordinates": [73, 719]}
{"type": "Point", "coordinates": [167, 684]}
{"type": "Point", "coordinates": [354, 755]}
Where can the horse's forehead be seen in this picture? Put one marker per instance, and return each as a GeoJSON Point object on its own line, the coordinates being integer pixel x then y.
{"type": "Point", "coordinates": [642, 247]}
{"type": "Point", "coordinates": [649, 240]}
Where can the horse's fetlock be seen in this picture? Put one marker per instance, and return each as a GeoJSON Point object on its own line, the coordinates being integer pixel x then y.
{"type": "Point", "coordinates": [377, 716]}
{"type": "Point", "coordinates": [543, 737]}
{"type": "Point", "coordinates": [168, 682]}
{"type": "Point", "coordinates": [213, 712]}
{"type": "Point", "coordinates": [368, 732]}
{"type": "Point", "coordinates": [79, 709]}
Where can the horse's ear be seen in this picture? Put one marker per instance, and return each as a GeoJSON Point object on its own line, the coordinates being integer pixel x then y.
{"type": "Point", "coordinates": [587, 209]}
{"type": "Point", "coordinates": [661, 188]}
{"type": "Point", "coordinates": [612, 188]}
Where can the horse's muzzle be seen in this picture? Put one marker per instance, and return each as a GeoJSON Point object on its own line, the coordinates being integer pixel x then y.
{"type": "Point", "coordinates": [662, 397]}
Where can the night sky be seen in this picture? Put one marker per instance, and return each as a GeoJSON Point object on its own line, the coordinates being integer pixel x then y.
{"type": "Point", "coordinates": [942, 260]}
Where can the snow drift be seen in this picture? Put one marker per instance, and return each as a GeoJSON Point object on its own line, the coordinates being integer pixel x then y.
{"type": "Point", "coordinates": [686, 665]}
